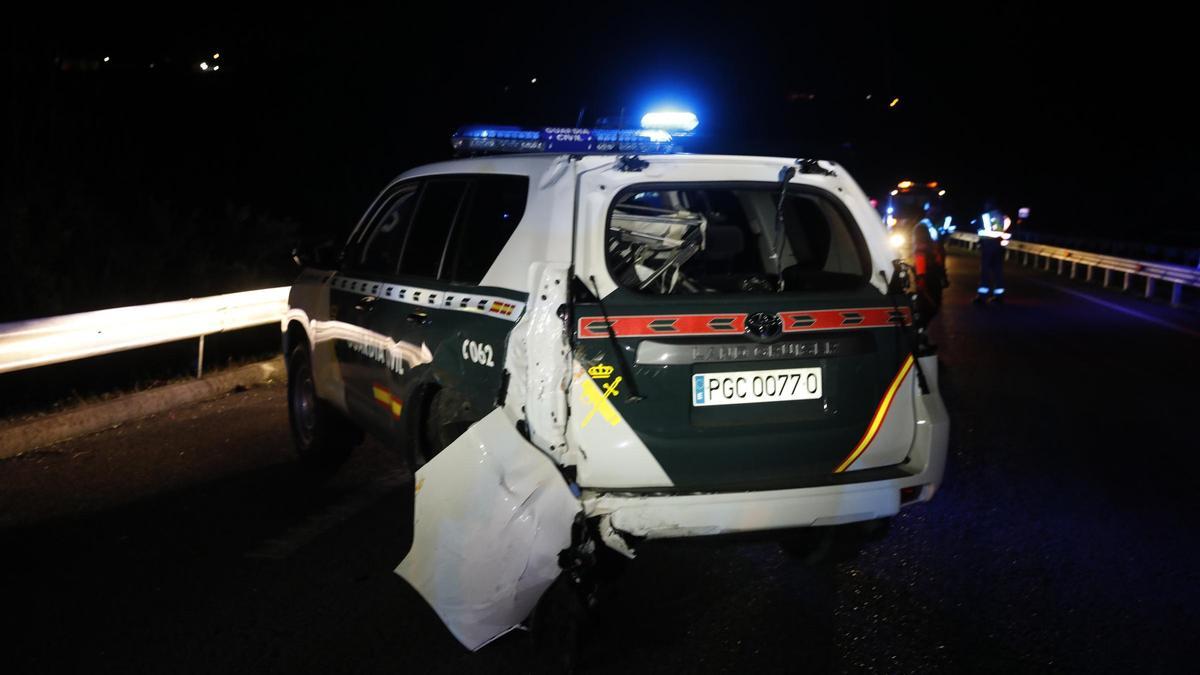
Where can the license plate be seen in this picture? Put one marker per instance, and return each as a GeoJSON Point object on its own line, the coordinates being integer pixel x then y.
{"type": "Point", "coordinates": [756, 386]}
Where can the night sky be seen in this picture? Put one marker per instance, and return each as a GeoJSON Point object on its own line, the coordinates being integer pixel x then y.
{"type": "Point", "coordinates": [1083, 116]}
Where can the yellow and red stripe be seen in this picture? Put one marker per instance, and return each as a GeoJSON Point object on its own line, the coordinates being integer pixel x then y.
{"type": "Point", "coordinates": [388, 400]}
{"type": "Point", "coordinates": [880, 414]}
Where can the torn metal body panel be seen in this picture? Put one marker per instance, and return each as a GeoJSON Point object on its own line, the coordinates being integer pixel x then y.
{"type": "Point", "coordinates": [539, 362]}
{"type": "Point", "coordinates": [492, 514]}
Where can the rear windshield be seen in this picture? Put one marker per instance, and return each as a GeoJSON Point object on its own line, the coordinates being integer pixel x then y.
{"type": "Point", "coordinates": [713, 239]}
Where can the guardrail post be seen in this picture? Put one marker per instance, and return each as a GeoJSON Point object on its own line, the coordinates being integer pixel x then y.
{"type": "Point", "coordinates": [1149, 287]}
{"type": "Point", "coordinates": [1128, 281]}
{"type": "Point", "coordinates": [1107, 277]}
{"type": "Point", "coordinates": [1074, 268]}
{"type": "Point", "coordinates": [1176, 294]}
{"type": "Point", "coordinates": [1060, 266]}
{"type": "Point", "coordinates": [1091, 269]}
{"type": "Point", "coordinates": [200, 360]}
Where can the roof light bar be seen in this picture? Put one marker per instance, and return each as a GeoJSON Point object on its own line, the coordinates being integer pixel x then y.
{"type": "Point", "coordinates": [670, 120]}
{"type": "Point", "coordinates": [503, 139]}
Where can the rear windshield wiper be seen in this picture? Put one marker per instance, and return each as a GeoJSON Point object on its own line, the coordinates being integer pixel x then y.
{"type": "Point", "coordinates": [785, 175]}
{"type": "Point", "coordinates": [634, 394]}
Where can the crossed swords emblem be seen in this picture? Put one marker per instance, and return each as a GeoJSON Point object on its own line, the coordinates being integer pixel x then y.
{"type": "Point", "coordinates": [599, 397]}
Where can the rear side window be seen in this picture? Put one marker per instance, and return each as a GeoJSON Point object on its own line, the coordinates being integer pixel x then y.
{"type": "Point", "coordinates": [431, 224]}
{"type": "Point", "coordinates": [383, 238]}
{"type": "Point", "coordinates": [714, 239]}
{"type": "Point", "coordinates": [494, 207]}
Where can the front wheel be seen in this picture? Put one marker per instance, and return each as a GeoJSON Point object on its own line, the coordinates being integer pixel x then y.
{"type": "Point", "coordinates": [322, 436]}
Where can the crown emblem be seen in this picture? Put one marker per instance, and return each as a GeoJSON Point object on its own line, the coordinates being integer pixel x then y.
{"type": "Point", "coordinates": [600, 371]}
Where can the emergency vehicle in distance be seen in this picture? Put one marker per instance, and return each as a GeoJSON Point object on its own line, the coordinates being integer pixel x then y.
{"type": "Point", "coordinates": [917, 217]}
{"type": "Point", "coordinates": [585, 341]}
{"type": "Point", "coordinates": [910, 204]}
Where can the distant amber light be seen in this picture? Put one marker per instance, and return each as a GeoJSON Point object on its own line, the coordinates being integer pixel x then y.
{"type": "Point", "coordinates": [931, 184]}
{"type": "Point", "coordinates": [894, 102]}
{"type": "Point", "coordinates": [904, 184]}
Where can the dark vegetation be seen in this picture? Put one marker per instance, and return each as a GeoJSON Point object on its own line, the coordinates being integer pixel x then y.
{"type": "Point", "coordinates": [143, 178]}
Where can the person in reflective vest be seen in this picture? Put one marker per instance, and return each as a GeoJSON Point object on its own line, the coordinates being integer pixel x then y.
{"type": "Point", "coordinates": [929, 272]}
{"type": "Point", "coordinates": [993, 237]}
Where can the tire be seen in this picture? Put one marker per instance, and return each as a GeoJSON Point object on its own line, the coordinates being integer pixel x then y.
{"type": "Point", "coordinates": [323, 438]}
{"type": "Point", "coordinates": [445, 416]}
{"type": "Point", "coordinates": [812, 546]}
{"type": "Point", "coordinates": [830, 545]}
{"type": "Point", "coordinates": [557, 626]}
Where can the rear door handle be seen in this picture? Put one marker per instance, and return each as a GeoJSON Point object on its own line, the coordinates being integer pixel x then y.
{"type": "Point", "coordinates": [420, 318]}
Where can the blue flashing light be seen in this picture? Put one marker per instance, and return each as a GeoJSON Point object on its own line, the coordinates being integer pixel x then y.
{"type": "Point", "coordinates": [670, 120]}
{"type": "Point", "coordinates": [998, 291]}
{"type": "Point", "coordinates": [983, 290]}
{"type": "Point", "coordinates": [926, 207]}
{"type": "Point", "coordinates": [501, 139]}
{"type": "Point", "coordinates": [946, 224]}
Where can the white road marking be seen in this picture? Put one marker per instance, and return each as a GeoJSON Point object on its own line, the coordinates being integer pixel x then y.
{"type": "Point", "coordinates": [302, 534]}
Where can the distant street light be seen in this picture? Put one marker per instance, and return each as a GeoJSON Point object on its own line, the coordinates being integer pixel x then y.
{"type": "Point", "coordinates": [216, 55]}
{"type": "Point", "coordinates": [894, 102]}
{"type": "Point", "coordinates": [106, 59]}
{"type": "Point", "coordinates": [203, 65]}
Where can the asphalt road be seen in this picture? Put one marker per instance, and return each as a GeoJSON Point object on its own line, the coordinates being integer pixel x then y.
{"type": "Point", "coordinates": [1064, 538]}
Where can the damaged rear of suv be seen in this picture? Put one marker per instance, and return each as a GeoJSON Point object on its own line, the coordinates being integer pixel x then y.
{"type": "Point", "coordinates": [685, 346]}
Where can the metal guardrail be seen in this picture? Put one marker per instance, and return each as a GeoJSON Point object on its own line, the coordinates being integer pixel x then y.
{"type": "Point", "coordinates": [57, 339]}
{"type": "Point", "coordinates": [1041, 255]}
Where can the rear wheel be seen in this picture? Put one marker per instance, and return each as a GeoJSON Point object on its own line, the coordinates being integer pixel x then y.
{"type": "Point", "coordinates": [557, 626]}
{"type": "Point", "coordinates": [446, 415]}
{"type": "Point", "coordinates": [322, 436]}
{"type": "Point", "coordinates": [828, 545]}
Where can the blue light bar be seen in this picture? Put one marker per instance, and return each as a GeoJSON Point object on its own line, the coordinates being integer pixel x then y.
{"type": "Point", "coordinates": [670, 120]}
{"type": "Point", "coordinates": [501, 139]}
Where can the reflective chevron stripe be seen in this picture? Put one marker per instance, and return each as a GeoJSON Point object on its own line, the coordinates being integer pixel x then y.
{"type": "Point", "coordinates": [692, 325]}
{"type": "Point", "coordinates": [488, 305]}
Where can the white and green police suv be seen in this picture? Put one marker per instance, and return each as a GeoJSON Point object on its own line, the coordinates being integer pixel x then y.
{"type": "Point", "coordinates": [584, 341]}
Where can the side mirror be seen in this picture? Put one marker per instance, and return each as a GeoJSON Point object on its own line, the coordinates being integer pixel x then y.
{"type": "Point", "coordinates": [899, 282]}
{"type": "Point", "coordinates": [320, 255]}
